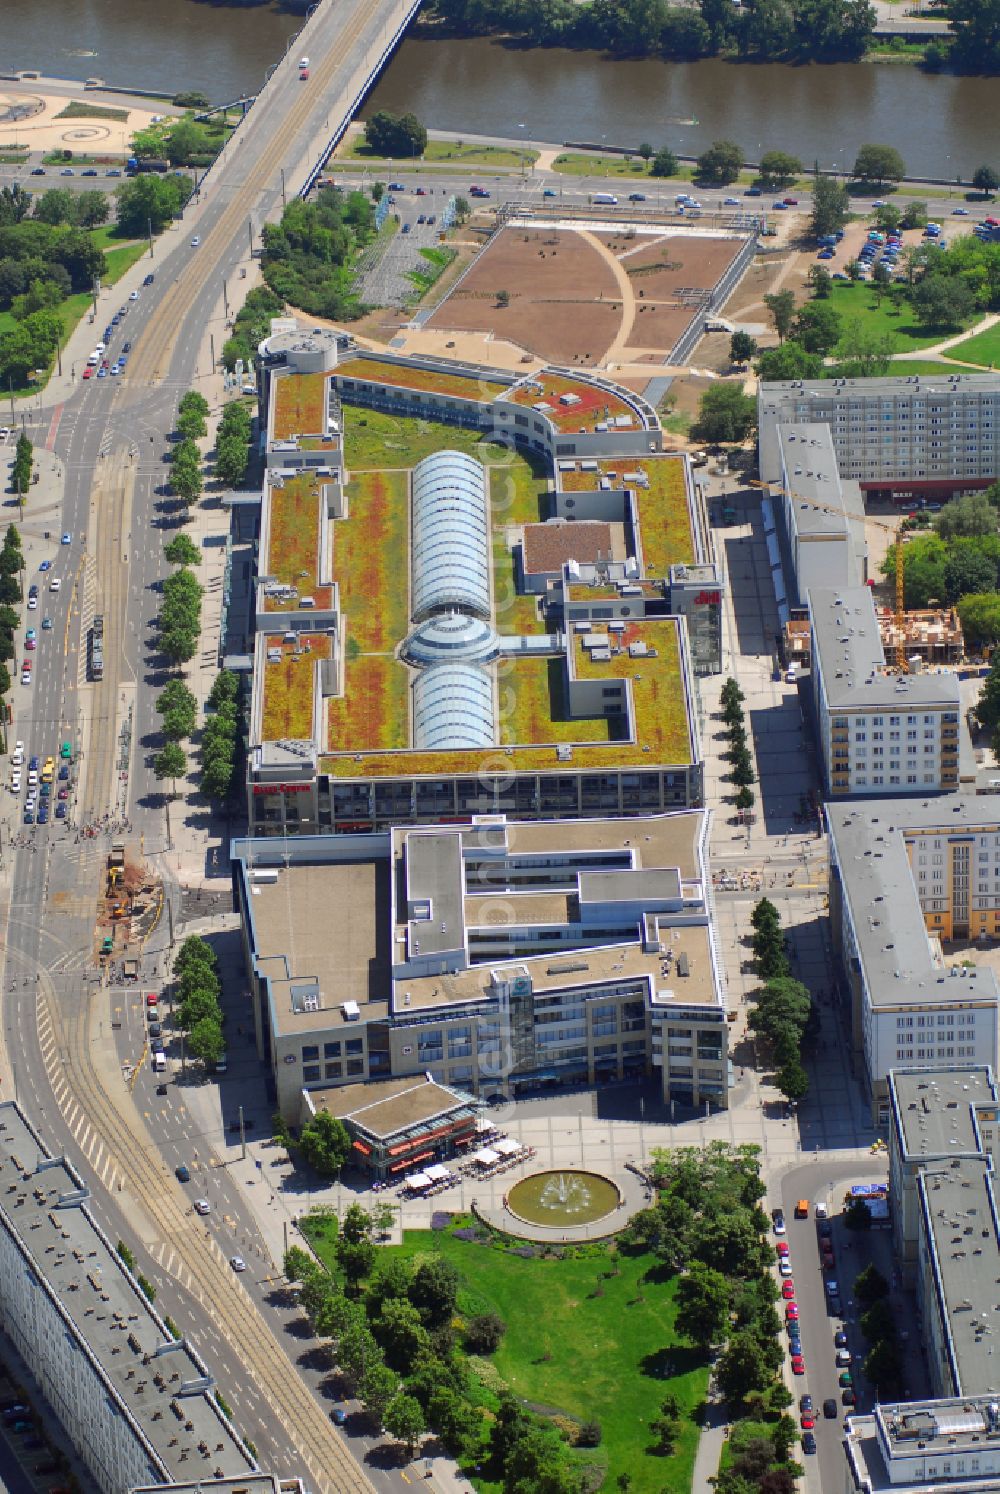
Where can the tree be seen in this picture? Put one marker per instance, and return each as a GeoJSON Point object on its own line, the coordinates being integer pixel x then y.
{"type": "Point", "coordinates": [967, 570]}
{"type": "Point", "coordinates": [182, 550]}
{"type": "Point", "coordinates": [986, 180]}
{"type": "Point", "coordinates": [92, 209]}
{"type": "Point", "coordinates": [792, 1080]}
{"type": "Point", "coordinates": [870, 1285]}
{"type": "Point", "coordinates": [781, 305]}
{"type": "Point", "coordinates": [744, 799]}
{"type": "Point", "coordinates": [831, 205]}
{"type": "Point", "coordinates": [742, 347]}
{"type": "Point", "coordinates": [177, 703]}
{"type": "Point", "coordinates": [664, 163]}
{"type": "Point", "coordinates": [232, 457]}
{"type": "Point", "coordinates": [205, 1040]}
{"type": "Point", "coordinates": [645, 150]}
{"type": "Point", "coordinates": [325, 1144]}
{"type": "Point", "coordinates": [789, 361]}
{"type": "Point", "coordinates": [877, 1321]}
{"type": "Point", "coordinates": [433, 1292]}
{"type": "Point", "coordinates": [484, 1332]}
{"type": "Point", "coordinates": [741, 1367]}
{"type": "Point", "coordinates": [857, 1215]}
{"type": "Point", "coordinates": [57, 205]}
{"type": "Point", "coordinates": [987, 707]}
{"type": "Point", "coordinates": [170, 763]}
{"type": "Point", "coordinates": [23, 464]}
{"type": "Point", "coordinates": [725, 414]}
{"type": "Point", "coordinates": [183, 141]}
{"type": "Point", "coordinates": [665, 1426]}
{"type": "Point", "coordinates": [970, 515]}
{"type": "Point", "coordinates": [914, 215]}
{"type": "Point", "coordinates": [377, 1387]}
{"type": "Point", "coordinates": [820, 282]}
{"type": "Point", "coordinates": [185, 470]}
{"type": "Point", "coordinates": [150, 202]}
{"type": "Point", "coordinates": [942, 301]}
{"type": "Point", "coordinates": [702, 1305]}
{"type": "Point", "coordinates": [395, 135]}
{"type": "Point", "coordinates": [721, 163]}
{"type": "Point", "coordinates": [462, 209]}
{"type": "Point", "coordinates": [879, 164]}
{"type": "Point", "coordinates": [297, 1263]}
{"type": "Point", "coordinates": [764, 915]}
{"type": "Point", "coordinates": [817, 327]}
{"type": "Point", "coordinates": [401, 1333]}
{"type": "Point", "coordinates": [778, 169]}
{"type": "Point", "coordinates": [888, 217]}
{"type": "Point", "coordinates": [404, 1419]}
{"type": "Point", "coordinates": [882, 1364]}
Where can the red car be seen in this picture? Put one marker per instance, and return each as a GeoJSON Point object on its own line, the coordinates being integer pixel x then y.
{"type": "Point", "coordinates": [420, 192]}
{"type": "Point", "coordinates": [303, 73]}
{"type": "Point", "coordinates": [781, 1247]}
{"type": "Point", "coordinates": [88, 372]}
{"type": "Point", "coordinates": [791, 1312]}
{"type": "Point", "coordinates": [790, 201]}
{"type": "Point", "coordinates": [788, 1289]}
{"type": "Point", "coordinates": [807, 1421]}
{"type": "Point", "coordinates": [798, 1365]}
{"type": "Point", "coordinates": [828, 1261]}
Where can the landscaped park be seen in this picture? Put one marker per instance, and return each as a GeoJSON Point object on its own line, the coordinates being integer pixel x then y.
{"type": "Point", "coordinates": [571, 1367]}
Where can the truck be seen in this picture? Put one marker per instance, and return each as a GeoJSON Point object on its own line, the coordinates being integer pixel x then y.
{"type": "Point", "coordinates": [136, 164]}
{"type": "Point", "coordinates": [607, 199]}
{"type": "Point", "coordinates": [97, 648]}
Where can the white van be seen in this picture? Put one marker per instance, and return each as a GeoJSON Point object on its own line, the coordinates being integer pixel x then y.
{"type": "Point", "coordinates": [606, 198]}
{"type": "Point", "coordinates": [159, 1063]}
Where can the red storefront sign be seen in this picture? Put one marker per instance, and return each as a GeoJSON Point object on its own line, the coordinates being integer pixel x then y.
{"type": "Point", "coordinates": [708, 599]}
{"type": "Point", "coordinates": [282, 788]}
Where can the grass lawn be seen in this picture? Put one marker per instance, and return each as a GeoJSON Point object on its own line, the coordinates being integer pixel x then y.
{"type": "Point", "coordinates": [519, 491]}
{"type": "Point", "coordinates": [855, 302]}
{"type": "Point", "coordinates": [455, 153]}
{"type": "Point", "coordinates": [608, 1358]}
{"type": "Point", "coordinates": [570, 163]}
{"type": "Point", "coordinates": [120, 260]}
{"type": "Point", "coordinates": [514, 614]}
{"type": "Point", "coordinates": [75, 109]}
{"type": "Point", "coordinates": [373, 438]}
{"type": "Point", "coordinates": [927, 366]}
{"type": "Point", "coordinates": [437, 261]}
{"type": "Point", "coordinates": [984, 348]}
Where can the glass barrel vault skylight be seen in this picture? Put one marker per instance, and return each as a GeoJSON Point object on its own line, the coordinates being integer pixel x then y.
{"type": "Point", "coordinates": [451, 553]}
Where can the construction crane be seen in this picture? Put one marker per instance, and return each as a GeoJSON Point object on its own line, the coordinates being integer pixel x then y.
{"type": "Point", "coordinates": [896, 530]}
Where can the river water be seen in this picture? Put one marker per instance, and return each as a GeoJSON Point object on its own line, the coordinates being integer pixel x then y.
{"type": "Point", "coordinates": [944, 126]}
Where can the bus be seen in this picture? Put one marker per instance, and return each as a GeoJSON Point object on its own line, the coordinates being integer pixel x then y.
{"type": "Point", "coordinates": [96, 650]}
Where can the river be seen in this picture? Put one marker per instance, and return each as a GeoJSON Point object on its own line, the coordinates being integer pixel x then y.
{"type": "Point", "coordinates": [939, 123]}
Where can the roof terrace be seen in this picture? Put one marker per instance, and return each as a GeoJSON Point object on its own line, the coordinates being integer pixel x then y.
{"type": "Point", "coordinates": [294, 530]}
{"type": "Point", "coordinates": [299, 403]}
{"type": "Point", "coordinates": [422, 377]}
{"type": "Point", "coordinates": [664, 517]}
{"type": "Point", "coordinates": [289, 685]}
{"type": "Point", "coordinates": [574, 404]}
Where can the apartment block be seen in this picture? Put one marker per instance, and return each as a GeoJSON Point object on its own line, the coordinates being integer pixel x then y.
{"type": "Point", "coordinates": [880, 732]}
{"type": "Point", "coordinates": [906, 877]}
{"type": "Point", "coordinates": [494, 957]}
{"type": "Point", "coordinates": [136, 1402]}
{"type": "Point", "coordinates": [905, 437]}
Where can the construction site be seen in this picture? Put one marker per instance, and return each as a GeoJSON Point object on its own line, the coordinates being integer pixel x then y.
{"type": "Point", "coordinates": [128, 910]}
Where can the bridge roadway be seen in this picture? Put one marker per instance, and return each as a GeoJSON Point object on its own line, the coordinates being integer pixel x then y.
{"type": "Point", "coordinates": [113, 450]}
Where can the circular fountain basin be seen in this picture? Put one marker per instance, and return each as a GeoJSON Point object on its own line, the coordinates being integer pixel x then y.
{"type": "Point", "coordinates": [563, 1198]}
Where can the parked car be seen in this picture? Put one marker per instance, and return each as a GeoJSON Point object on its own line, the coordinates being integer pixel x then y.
{"type": "Point", "coordinates": [830, 1409]}
{"type": "Point", "coordinates": [808, 1443]}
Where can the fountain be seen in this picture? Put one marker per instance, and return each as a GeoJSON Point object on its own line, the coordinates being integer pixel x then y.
{"type": "Point", "coordinates": [562, 1199]}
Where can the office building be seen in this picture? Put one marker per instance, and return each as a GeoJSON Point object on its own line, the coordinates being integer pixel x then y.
{"type": "Point", "coordinates": [495, 957]}
{"type": "Point", "coordinates": [137, 1403]}
{"type": "Point", "coordinates": [880, 732]}
{"type": "Point", "coordinates": [925, 1447]}
{"type": "Point", "coordinates": [905, 877]}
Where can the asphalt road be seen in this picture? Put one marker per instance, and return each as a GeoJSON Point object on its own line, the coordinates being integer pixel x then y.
{"type": "Point", "coordinates": [112, 437]}
{"type": "Point", "coordinates": [825, 1182]}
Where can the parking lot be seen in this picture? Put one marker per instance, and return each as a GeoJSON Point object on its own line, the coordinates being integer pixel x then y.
{"type": "Point", "coordinates": [383, 277]}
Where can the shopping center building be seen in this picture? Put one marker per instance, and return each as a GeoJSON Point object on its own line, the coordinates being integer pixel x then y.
{"type": "Point", "coordinates": [442, 634]}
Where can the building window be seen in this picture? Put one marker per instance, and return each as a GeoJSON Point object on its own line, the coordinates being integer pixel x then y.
{"type": "Point", "coordinates": [310, 1073]}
